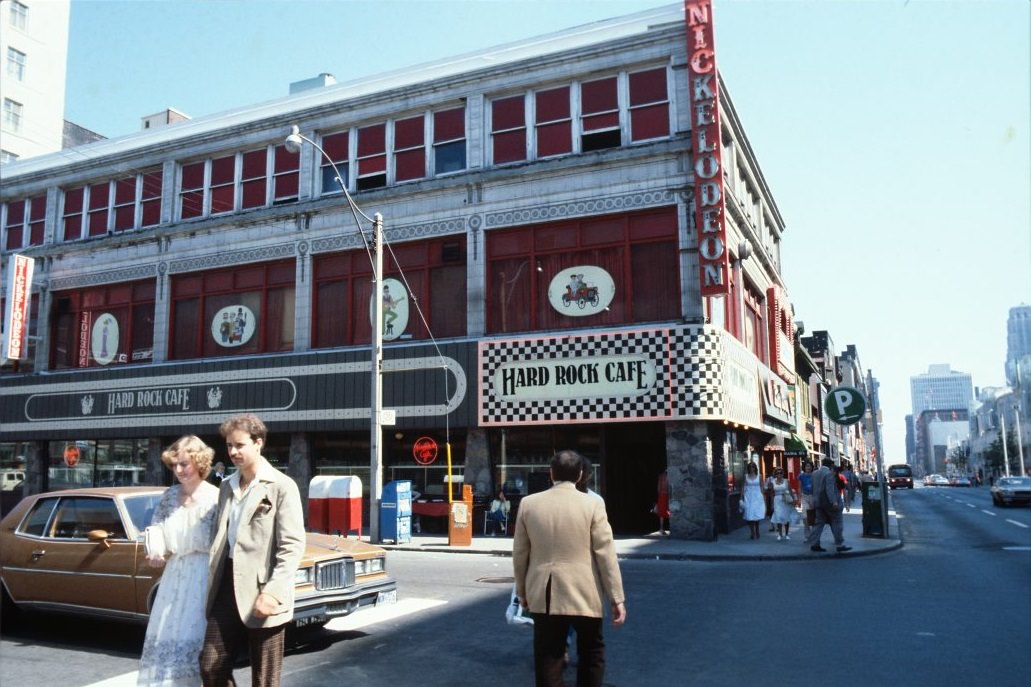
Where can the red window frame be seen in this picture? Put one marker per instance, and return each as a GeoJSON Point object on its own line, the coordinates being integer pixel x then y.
{"type": "Point", "coordinates": [508, 129]}
{"type": "Point", "coordinates": [286, 179]}
{"type": "Point", "coordinates": [97, 213]}
{"type": "Point", "coordinates": [125, 203]}
{"type": "Point", "coordinates": [71, 220]}
{"type": "Point", "coordinates": [253, 179]}
{"type": "Point", "coordinates": [410, 148]}
{"type": "Point", "coordinates": [649, 105]}
{"type": "Point", "coordinates": [266, 288]}
{"type": "Point", "coordinates": [372, 156]}
{"type": "Point", "coordinates": [449, 141]}
{"type": "Point", "coordinates": [151, 188]}
{"type": "Point", "coordinates": [191, 190]}
{"type": "Point", "coordinates": [336, 146]}
{"type": "Point", "coordinates": [639, 250]}
{"type": "Point", "coordinates": [599, 105]}
{"type": "Point", "coordinates": [132, 304]}
{"type": "Point", "coordinates": [554, 124]}
{"type": "Point", "coordinates": [37, 219]}
{"type": "Point", "coordinates": [15, 225]}
{"type": "Point", "coordinates": [434, 269]}
{"type": "Point", "coordinates": [222, 188]}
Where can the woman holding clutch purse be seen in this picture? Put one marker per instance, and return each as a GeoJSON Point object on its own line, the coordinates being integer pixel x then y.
{"type": "Point", "coordinates": [178, 539]}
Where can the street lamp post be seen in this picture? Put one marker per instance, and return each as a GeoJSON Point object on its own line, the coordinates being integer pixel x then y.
{"type": "Point", "coordinates": [1020, 439]}
{"type": "Point", "coordinates": [293, 144]}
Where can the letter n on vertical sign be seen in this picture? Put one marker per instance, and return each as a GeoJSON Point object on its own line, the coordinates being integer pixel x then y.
{"type": "Point", "coordinates": [16, 316]}
{"type": "Point", "coordinates": [713, 259]}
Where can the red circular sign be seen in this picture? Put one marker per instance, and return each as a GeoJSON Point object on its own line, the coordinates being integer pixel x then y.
{"type": "Point", "coordinates": [424, 450]}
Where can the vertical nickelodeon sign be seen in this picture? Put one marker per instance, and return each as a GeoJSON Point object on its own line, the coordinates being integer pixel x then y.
{"type": "Point", "coordinates": [713, 259]}
{"type": "Point", "coordinates": [16, 315]}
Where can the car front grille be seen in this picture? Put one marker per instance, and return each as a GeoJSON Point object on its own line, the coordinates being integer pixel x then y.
{"type": "Point", "coordinates": [334, 574]}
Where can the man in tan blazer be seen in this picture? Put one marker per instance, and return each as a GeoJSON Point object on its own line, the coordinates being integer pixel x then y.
{"type": "Point", "coordinates": [257, 545]}
{"type": "Point", "coordinates": [565, 563]}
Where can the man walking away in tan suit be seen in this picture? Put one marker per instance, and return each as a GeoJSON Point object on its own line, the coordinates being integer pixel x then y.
{"type": "Point", "coordinates": [257, 546]}
{"type": "Point", "coordinates": [565, 564]}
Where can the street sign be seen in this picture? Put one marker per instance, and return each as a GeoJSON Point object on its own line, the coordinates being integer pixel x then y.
{"type": "Point", "coordinates": [845, 405]}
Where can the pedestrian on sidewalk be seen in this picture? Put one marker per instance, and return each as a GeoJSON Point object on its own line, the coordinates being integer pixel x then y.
{"type": "Point", "coordinates": [828, 502]}
{"type": "Point", "coordinates": [662, 503]}
{"type": "Point", "coordinates": [565, 565]}
{"type": "Point", "coordinates": [805, 483]}
{"type": "Point", "coordinates": [768, 496]}
{"type": "Point", "coordinates": [753, 504]}
{"type": "Point", "coordinates": [783, 505]}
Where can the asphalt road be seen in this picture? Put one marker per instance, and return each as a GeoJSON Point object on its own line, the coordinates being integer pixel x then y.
{"type": "Point", "coordinates": [951, 607]}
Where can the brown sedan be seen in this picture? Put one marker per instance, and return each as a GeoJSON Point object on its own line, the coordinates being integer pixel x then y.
{"type": "Point", "coordinates": [81, 551]}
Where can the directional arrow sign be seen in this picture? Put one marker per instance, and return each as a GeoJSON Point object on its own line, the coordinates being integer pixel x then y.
{"type": "Point", "coordinates": [845, 405]}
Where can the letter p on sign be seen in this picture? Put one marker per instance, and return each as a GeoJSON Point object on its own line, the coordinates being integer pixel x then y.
{"type": "Point", "coordinates": [845, 405]}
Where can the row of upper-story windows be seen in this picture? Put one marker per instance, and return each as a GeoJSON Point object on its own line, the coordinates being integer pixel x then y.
{"type": "Point", "coordinates": [571, 118]}
{"type": "Point", "coordinates": [609, 270]}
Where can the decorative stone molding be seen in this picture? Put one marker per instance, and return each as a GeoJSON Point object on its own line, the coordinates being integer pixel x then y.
{"type": "Point", "coordinates": [283, 250]}
{"type": "Point", "coordinates": [106, 277]}
{"type": "Point", "coordinates": [579, 208]}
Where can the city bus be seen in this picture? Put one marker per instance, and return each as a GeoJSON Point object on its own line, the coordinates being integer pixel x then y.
{"type": "Point", "coordinates": [900, 477]}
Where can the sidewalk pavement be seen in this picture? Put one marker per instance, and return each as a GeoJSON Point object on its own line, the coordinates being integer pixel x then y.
{"type": "Point", "coordinates": [728, 547]}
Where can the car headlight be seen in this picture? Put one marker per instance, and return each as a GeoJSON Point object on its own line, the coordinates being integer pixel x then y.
{"type": "Point", "coordinates": [376, 565]}
{"type": "Point", "coordinates": [303, 576]}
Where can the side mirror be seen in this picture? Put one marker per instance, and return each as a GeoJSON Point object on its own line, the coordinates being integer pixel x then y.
{"type": "Point", "coordinates": [100, 536]}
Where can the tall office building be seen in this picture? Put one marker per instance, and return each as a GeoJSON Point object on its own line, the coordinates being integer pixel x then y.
{"type": "Point", "coordinates": [1018, 345]}
{"type": "Point", "coordinates": [34, 45]}
{"type": "Point", "coordinates": [941, 388]}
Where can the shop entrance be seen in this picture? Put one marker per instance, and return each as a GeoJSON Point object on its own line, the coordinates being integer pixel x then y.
{"type": "Point", "coordinates": [633, 456]}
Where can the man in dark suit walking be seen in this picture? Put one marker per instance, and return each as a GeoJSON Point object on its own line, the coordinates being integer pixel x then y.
{"type": "Point", "coordinates": [827, 504]}
{"type": "Point", "coordinates": [564, 558]}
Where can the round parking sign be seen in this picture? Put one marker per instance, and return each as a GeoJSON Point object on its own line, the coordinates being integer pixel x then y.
{"type": "Point", "coordinates": [845, 405]}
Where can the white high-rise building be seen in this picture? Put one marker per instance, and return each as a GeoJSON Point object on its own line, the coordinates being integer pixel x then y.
{"type": "Point", "coordinates": [941, 388]}
{"type": "Point", "coordinates": [34, 47]}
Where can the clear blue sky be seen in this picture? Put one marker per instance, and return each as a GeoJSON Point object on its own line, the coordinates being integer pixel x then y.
{"type": "Point", "coordinates": [894, 134]}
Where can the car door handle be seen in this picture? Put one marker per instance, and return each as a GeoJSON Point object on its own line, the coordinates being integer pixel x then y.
{"type": "Point", "coordinates": [37, 554]}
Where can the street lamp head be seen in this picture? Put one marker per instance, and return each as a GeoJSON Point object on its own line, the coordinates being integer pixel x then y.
{"type": "Point", "coordinates": [294, 141]}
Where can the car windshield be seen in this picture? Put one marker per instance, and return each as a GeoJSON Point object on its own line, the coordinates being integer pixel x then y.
{"type": "Point", "coordinates": [1015, 481]}
{"type": "Point", "coordinates": [141, 509]}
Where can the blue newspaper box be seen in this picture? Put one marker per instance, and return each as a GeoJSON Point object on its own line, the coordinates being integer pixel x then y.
{"type": "Point", "coordinates": [395, 512]}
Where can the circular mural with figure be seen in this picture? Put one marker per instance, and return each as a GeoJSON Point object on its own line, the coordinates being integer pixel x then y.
{"type": "Point", "coordinates": [104, 339]}
{"type": "Point", "coordinates": [581, 291]}
{"type": "Point", "coordinates": [233, 325]}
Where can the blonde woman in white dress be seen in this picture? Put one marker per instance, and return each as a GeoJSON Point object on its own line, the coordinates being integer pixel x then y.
{"type": "Point", "coordinates": [183, 520]}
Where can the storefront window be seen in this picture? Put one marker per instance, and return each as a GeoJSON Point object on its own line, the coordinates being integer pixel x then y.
{"type": "Point", "coordinates": [108, 325]}
{"type": "Point", "coordinates": [103, 463]}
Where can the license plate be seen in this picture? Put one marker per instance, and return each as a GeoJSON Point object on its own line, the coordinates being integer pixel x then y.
{"type": "Point", "coordinates": [310, 620]}
{"type": "Point", "coordinates": [386, 597]}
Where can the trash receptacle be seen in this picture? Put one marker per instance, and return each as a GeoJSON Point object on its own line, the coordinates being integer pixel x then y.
{"type": "Point", "coordinates": [345, 506]}
{"type": "Point", "coordinates": [395, 512]}
{"type": "Point", "coordinates": [873, 509]}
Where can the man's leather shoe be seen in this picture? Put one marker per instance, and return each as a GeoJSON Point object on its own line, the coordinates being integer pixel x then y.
{"type": "Point", "coordinates": [843, 549]}
{"type": "Point", "coordinates": [817, 548]}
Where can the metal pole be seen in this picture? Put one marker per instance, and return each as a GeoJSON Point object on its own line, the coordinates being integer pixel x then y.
{"type": "Point", "coordinates": [1020, 439]}
{"type": "Point", "coordinates": [875, 411]}
{"type": "Point", "coordinates": [376, 373]}
{"type": "Point", "coordinates": [1005, 453]}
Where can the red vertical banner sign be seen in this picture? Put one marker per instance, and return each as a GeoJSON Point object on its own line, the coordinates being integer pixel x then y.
{"type": "Point", "coordinates": [16, 315]}
{"type": "Point", "coordinates": [85, 325]}
{"type": "Point", "coordinates": [713, 259]}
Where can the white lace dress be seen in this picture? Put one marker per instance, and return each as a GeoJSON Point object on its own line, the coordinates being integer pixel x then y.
{"type": "Point", "coordinates": [175, 632]}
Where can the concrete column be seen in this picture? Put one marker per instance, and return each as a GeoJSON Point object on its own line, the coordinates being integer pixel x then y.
{"type": "Point", "coordinates": [299, 465]}
{"type": "Point", "coordinates": [477, 462]}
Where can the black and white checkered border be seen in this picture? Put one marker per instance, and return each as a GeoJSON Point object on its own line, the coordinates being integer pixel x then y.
{"type": "Point", "coordinates": [688, 372]}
